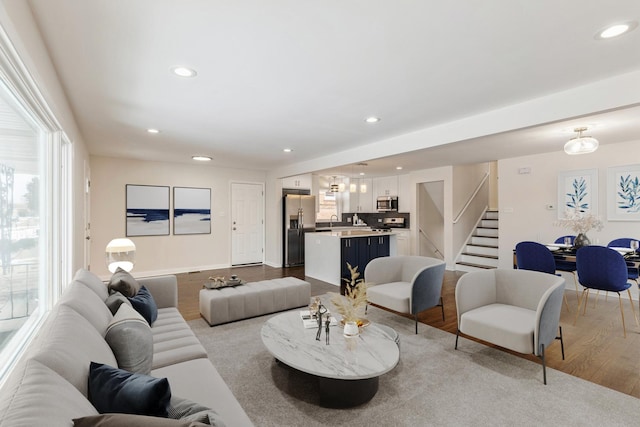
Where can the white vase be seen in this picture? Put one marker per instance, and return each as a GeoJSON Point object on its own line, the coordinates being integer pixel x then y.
{"type": "Point", "coordinates": [351, 329]}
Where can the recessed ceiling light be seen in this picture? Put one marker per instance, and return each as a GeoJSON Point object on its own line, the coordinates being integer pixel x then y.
{"type": "Point", "coordinates": [184, 72]}
{"type": "Point", "coordinates": [372, 119]}
{"type": "Point", "coordinates": [616, 30]}
{"type": "Point", "coordinates": [399, 168]}
{"type": "Point", "coordinates": [151, 130]}
{"type": "Point", "coordinates": [361, 173]}
{"type": "Point", "coordinates": [287, 150]}
{"type": "Point", "coordinates": [201, 158]}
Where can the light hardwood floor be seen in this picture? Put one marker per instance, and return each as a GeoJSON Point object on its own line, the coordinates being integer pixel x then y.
{"type": "Point", "coordinates": [595, 349]}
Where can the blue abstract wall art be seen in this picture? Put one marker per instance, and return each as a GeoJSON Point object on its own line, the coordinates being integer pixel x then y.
{"type": "Point", "coordinates": [191, 210]}
{"type": "Point", "coordinates": [147, 210]}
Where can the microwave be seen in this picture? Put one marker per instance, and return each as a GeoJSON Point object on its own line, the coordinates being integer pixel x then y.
{"type": "Point", "coordinates": [387, 204]}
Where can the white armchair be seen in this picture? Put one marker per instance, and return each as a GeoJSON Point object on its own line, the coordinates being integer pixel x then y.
{"type": "Point", "coordinates": [515, 309]}
{"type": "Point", "coordinates": [406, 284]}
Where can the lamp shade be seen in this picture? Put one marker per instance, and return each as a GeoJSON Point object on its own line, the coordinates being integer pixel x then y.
{"type": "Point", "coordinates": [581, 144]}
{"type": "Point", "coordinates": [120, 253]}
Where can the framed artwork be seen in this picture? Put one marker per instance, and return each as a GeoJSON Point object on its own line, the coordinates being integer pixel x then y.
{"type": "Point", "coordinates": [623, 193]}
{"type": "Point", "coordinates": [191, 210]}
{"type": "Point", "coordinates": [147, 210]}
{"type": "Point", "coordinates": [578, 190]}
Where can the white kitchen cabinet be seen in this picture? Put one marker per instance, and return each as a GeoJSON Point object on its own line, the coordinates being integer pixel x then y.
{"type": "Point", "coordinates": [298, 181]}
{"type": "Point", "coordinates": [362, 201]}
{"type": "Point", "coordinates": [403, 241]}
{"type": "Point", "coordinates": [385, 186]}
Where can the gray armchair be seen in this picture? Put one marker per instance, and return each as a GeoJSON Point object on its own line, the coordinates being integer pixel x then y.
{"type": "Point", "coordinates": [406, 284]}
{"type": "Point", "coordinates": [515, 309]}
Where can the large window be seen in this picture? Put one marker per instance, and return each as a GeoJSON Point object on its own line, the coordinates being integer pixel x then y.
{"type": "Point", "coordinates": [34, 212]}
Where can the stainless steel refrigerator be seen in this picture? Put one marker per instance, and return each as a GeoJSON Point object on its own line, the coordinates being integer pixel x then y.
{"type": "Point", "coordinates": [299, 218]}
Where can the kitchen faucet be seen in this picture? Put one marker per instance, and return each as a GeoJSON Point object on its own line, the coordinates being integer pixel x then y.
{"type": "Point", "coordinates": [331, 220]}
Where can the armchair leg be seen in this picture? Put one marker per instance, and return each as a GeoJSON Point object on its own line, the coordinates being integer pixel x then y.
{"type": "Point", "coordinates": [416, 317]}
{"type": "Point", "coordinates": [457, 335]}
{"type": "Point", "coordinates": [442, 307]}
{"type": "Point", "coordinates": [544, 367]}
{"type": "Point", "coordinates": [561, 342]}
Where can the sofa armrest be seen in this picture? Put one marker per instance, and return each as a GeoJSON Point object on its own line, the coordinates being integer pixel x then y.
{"type": "Point", "coordinates": [164, 290]}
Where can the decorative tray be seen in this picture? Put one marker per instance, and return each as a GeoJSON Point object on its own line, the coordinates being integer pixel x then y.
{"type": "Point", "coordinates": [223, 284]}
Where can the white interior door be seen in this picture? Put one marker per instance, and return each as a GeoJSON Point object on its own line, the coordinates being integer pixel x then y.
{"type": "Point", "coordinates": [247, 223]}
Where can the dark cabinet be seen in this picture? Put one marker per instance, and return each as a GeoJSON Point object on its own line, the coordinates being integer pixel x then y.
{"type": "Point", "coordinates": [358, 251]}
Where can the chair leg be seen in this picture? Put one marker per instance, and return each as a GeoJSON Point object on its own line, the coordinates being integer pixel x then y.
{"type": "Point", "coordinates": [416, 317]}
{"type": "Point", "coordinates": [575, 282]}
{"type": "Point", "coordinates": [632, 309]}
{"type": "Point", "coordinates": [544, 366]}
{"type": "Point", "coordinates": [584, 308]}
{"type": "Point", "coordinates": [566, 303]}
{"type": "Point", "coordinates": [457, 335]}
{"type": "Point", "coordinates": [624, 329]}
{"type": "Point", "coordinates": [561, 342]}
{"type": "Point", "coordinates": [579, 305]}
{"type": "Point", "coordinates": [442, 307]}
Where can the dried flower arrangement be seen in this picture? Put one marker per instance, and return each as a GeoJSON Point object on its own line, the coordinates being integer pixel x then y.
{"type": "Point", "coordinates": [351, 305]}
{"type": "Point", "coordinates": [580, 222]}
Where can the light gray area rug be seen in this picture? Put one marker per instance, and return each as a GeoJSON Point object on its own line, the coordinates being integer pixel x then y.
{"type": "Point", "coordinates": [432, 385]}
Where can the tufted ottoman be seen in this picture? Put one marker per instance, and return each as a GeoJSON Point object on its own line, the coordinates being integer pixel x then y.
{"type": "Point", "coordinates": [253, 299]}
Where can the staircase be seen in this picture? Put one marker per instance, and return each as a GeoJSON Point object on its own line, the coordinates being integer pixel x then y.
{"type": "Point", "coordinates": [481, 252]}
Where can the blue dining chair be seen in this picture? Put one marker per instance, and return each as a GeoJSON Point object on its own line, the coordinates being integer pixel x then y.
{"type": "Point", "coordinates": [603, 269]}
{"type": "Point", "coordinates": [537, 257]}
{"type": "Point", "coordinates": [569, 267]}
{"type": "Point", "coordinates": [632, 271]}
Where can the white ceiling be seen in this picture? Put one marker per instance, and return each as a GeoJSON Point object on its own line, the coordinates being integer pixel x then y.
{"type": "Point", "coordinates": [304, 74]}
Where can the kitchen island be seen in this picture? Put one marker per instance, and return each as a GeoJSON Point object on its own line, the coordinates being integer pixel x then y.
{"type": "Point", "coordinates": [327, 253]}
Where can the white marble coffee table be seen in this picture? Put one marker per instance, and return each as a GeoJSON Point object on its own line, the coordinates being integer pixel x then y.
{"type": "Point", "coordinates": [347, 368]}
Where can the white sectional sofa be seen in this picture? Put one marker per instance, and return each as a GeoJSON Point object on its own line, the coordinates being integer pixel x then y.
{"type": "Point", "coordinates": [49, 386]}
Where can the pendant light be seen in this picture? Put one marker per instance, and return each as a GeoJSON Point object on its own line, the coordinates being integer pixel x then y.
{"type": "Point", "coordinates": [581, 144]}
{"type": "Point", "coordinates": [334, 187]}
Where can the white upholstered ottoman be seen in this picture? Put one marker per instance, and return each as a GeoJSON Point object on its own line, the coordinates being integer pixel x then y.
{"type": "Point", "coordinates": [253, 299]}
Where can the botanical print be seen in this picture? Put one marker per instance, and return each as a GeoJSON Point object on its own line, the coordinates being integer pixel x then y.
{"type": "Point", "coordinates": [629, 193]}
{"type": "Point", "coordinates": [191, 210]}
{"type": "Point", "coordinates": [577, 192]}
{"type": "Point", "coordinates": [623, 201]}
{"type": "Point", "coordinates": [147, 210]}
{"type": "Point", "coordinates": [577, 199]}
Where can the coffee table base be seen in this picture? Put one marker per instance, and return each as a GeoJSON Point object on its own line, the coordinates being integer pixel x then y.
{"type": "Point", "coordinates": [336, 393]}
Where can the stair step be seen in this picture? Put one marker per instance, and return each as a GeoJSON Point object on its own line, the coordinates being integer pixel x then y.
{"type": "Point", "coordinates": [481, 250]}
{"type": "Point", "coordinates": [491, 215]}
{"type": "Point", "coordinates": [489, 223]}
{"type": "Point", "coordinates": [484, 240]}
{"type": "Point", "coordinates": [486, 260]}
{"type": "Point", "coordinates": [468, 266]}
{"type": "Point", "coordinates": [486, 232]}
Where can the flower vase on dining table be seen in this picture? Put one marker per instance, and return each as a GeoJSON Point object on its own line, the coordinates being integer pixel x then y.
{"type": "Point", "coordinates": [581, 240]}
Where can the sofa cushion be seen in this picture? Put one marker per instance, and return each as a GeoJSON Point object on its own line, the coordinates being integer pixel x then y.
{"type": "Point", "coordinates": [34, 392]}
{"type": "Point", "coordinates": [488, 324]}
{"type": "Point", "coordinates": [114, 301]}
{"type": "Point", "coordinates": [394, 295]}
{"type": "Point", "coordinates": [116, 390]}
{"type": "Point", "coordinates": [93, 282]}
{"type": "Point", "coordinates": [129, 420]}
{"type": "Point", "coordinates": [123, 282]}
{"type": "Point", "coordinates": [130, 338]}
{"type": "Point", "coordinates": [185, 409]}
{"type": "Point", "coordinates": [68, 343]}
{"type": "Point", "coordinates": [145, 305]}
{"type": "Point", "coordinates": [84, 301]}
{"type": "Point", "coordinates": [199, 381]}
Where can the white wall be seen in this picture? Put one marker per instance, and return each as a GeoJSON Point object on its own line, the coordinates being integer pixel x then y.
{"type": "Point", "coordinates": [162, 254]}
{"type": "Point", "coordinates": [523, 198]}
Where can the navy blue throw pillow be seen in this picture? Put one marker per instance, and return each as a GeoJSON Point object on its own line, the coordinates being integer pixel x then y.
{"type": "Point", "coordinates": [117, 390]}
{"type": "Point", "coordinates": [144, 304]}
